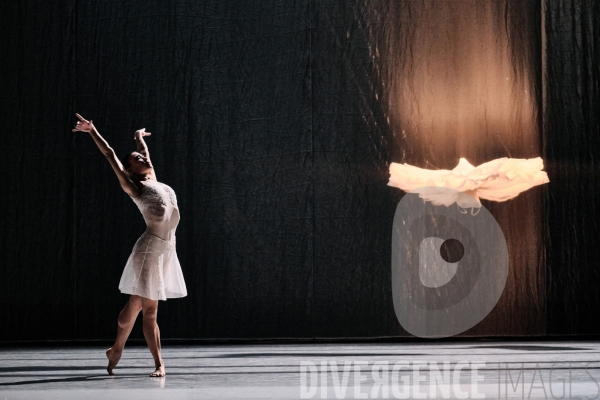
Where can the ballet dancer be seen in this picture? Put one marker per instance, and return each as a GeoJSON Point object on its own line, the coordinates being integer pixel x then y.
{"type": "Point", "coordinates": [152, 271]}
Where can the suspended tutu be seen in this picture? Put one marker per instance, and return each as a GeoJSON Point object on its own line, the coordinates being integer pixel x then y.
{"type": "Point", "coordinates": [498, 180]}
{"type": "Point", "coordinates": [153, 270]}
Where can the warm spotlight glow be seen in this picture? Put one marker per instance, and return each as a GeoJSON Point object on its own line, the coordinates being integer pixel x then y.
{"type": "Point", "coordinates": [459, 89]}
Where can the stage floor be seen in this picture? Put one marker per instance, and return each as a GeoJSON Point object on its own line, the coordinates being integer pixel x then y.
{"type": "Point", "coordinates": [534, 370]}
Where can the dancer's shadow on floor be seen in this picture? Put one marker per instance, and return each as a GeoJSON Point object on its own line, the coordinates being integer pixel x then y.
{"type": "Point", "coordinates": [74, 379]}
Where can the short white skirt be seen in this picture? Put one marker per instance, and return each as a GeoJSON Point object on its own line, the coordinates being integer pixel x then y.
{"type": "Point", "coordinates": [153, 270]}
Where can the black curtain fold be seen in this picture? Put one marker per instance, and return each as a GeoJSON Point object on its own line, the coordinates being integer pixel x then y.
{"type": "Point", "coordinates": [572, 146]}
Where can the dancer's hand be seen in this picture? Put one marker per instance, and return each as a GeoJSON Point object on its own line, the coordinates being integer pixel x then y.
{"type": "Point", "coordinates": [83, 125]}
{"type": "Point", "coordinates": [141, 133]}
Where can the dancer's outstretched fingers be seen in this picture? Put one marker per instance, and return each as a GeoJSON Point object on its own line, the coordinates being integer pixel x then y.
{"type": "Point", "coordinates": [83, 125]}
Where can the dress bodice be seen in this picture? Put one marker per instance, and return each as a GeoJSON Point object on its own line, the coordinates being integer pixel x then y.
{"type": "Point", "coordinates": [158, 205]}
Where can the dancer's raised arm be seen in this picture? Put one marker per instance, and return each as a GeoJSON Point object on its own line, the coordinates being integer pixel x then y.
{"type": "Point", "coordinates": [125, 180]}
{"type": "Point", "coordinates": [140, 143]}
{"type": "Point", "coordinates": [142, 148]}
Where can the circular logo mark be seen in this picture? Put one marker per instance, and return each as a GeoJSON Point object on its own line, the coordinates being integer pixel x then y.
{"type": "Point", "coordinates": [449, 267]}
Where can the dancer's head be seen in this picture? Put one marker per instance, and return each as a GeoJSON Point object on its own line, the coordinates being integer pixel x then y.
{"type": "Point", "coordinates": [136, 164]}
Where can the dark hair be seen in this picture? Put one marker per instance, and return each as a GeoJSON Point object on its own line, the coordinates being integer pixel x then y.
{"type": "Point", "coordinates": [125, 160]}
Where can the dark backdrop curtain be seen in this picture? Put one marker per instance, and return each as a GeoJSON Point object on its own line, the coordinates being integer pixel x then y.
{"type": "Point", "coordinates": [572, 148]}
{"type": "Point", "coordinates": [275, 123]}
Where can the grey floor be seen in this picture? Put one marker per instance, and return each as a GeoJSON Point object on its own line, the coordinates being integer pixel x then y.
{"type": "Point", "coordinates": [533, 370]}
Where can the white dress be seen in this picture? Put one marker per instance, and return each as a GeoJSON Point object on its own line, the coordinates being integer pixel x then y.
{"type": "Point", "coordinates": [498, 180]}
{"type": "Point", "coordinates": [153, 270]}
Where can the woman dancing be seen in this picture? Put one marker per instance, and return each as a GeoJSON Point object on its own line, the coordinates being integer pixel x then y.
{"type": "Point", "coordinates": [152, 271]}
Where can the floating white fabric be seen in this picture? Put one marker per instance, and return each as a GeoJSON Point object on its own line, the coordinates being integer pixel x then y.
{"type": "Point", "coordinates": [498, 180]}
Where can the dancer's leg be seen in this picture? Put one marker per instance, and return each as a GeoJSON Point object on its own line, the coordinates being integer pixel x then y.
{"type": "Point", "coordinates": [125, 325]}
{"type": "Point", "coordinates": [152, 334]}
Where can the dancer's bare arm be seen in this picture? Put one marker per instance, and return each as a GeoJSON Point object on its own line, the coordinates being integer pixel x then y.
{"type": "Point", "coordinates": [142, 148]}
{"type": "Point", "coordinates": [124, 179]}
